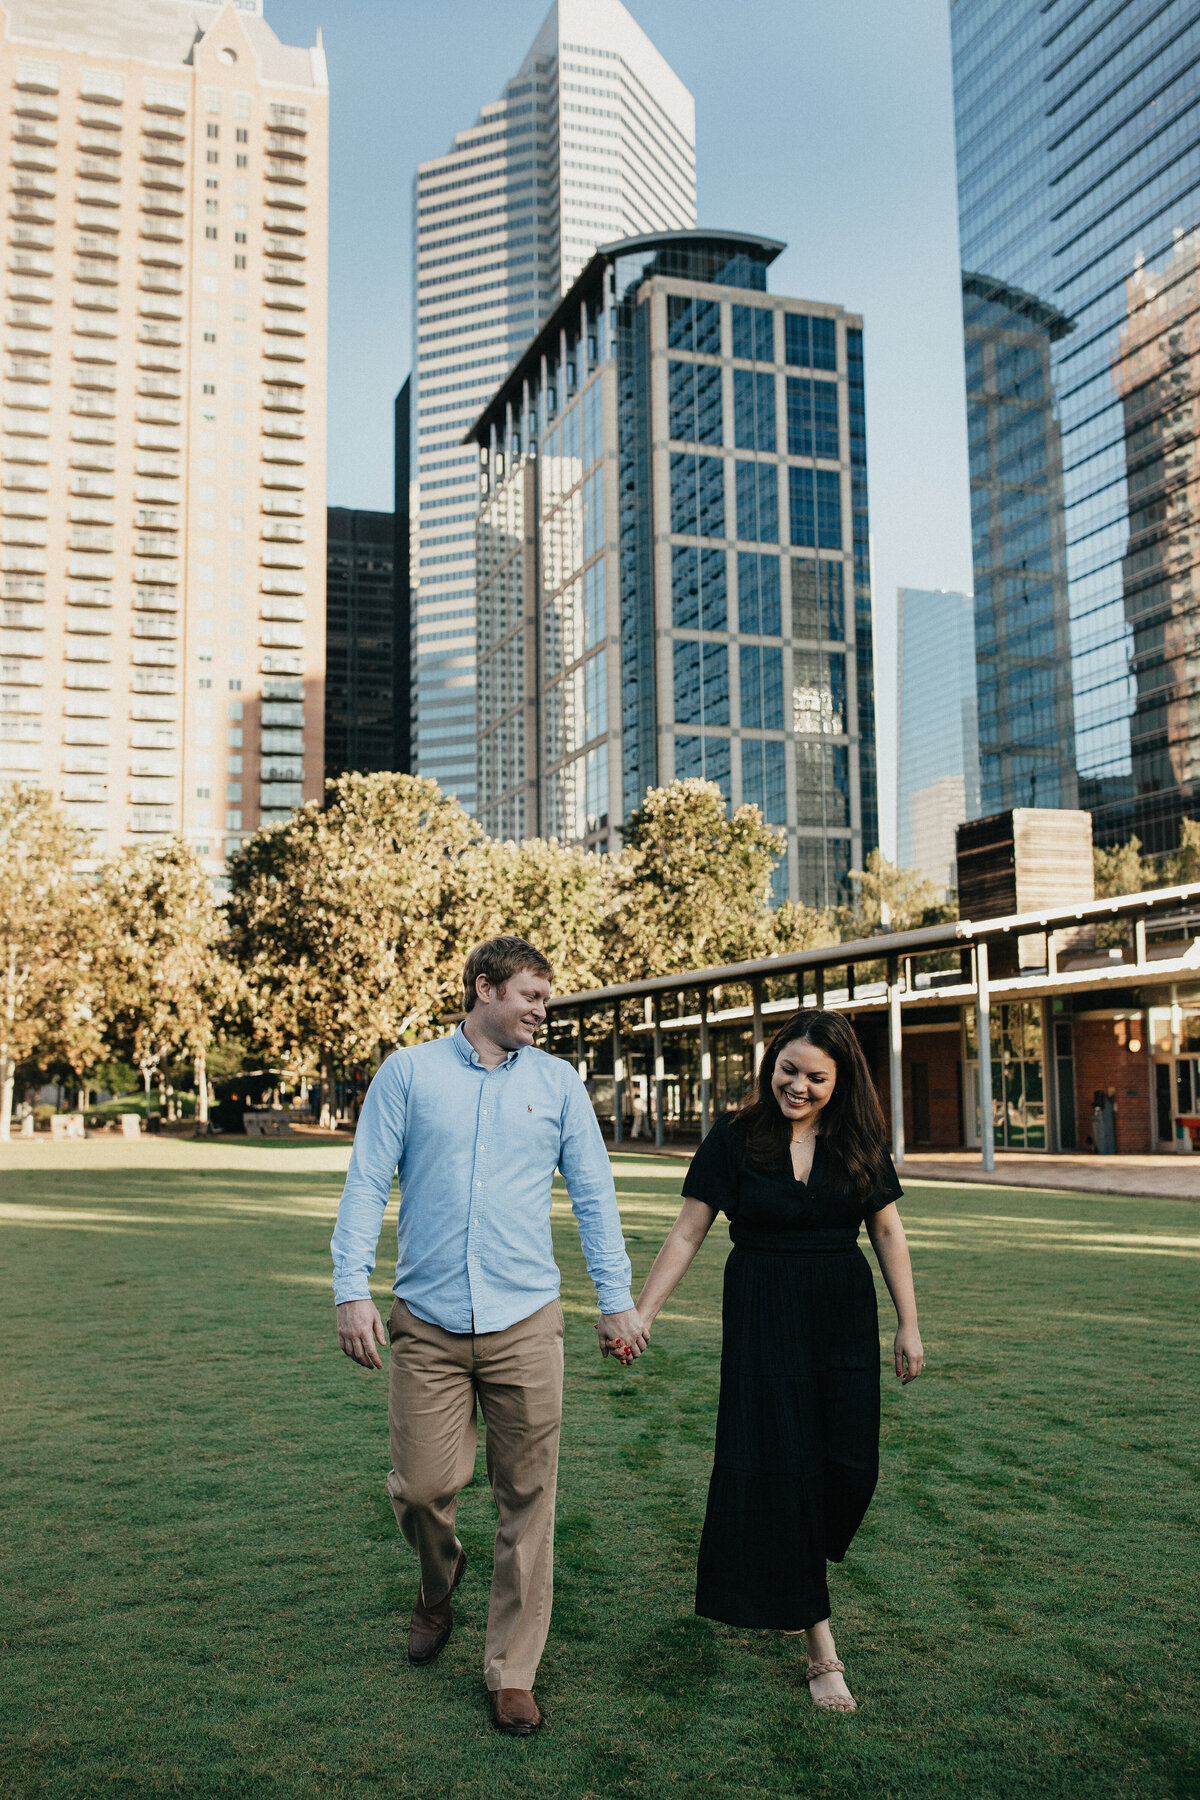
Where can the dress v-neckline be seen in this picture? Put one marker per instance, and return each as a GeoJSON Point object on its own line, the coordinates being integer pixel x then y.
{"type": "Point", "coordinates": [803, 1180]}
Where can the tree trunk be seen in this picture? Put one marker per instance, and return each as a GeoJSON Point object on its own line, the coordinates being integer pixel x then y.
{"type": "Point", "coordinates": [202, 1090]}
{"type": "Point", "coordinates": [8, 1071]}
{"type": "Point", "coordinates": [326, 1118]}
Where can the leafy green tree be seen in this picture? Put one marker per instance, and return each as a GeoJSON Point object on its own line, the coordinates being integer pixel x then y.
{"type": "Point", "coordinates": [347, 922]}
{"type": "Point", "coordinates": [552, 895]}
{"type": "Point", "coordinates": [1122, 870]}
{"type": "Point", "coordinates": [890, 898]}
{"type": "Point", "coordinates": [47, 994]}
{"type": "Point", "coordinates": [168, 981]}
{"type": "Point", "coordinates": [692, 886]}
{"type": "Point", "coordinates": [1184, 863]}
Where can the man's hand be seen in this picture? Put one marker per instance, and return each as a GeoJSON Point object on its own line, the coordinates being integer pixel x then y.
{"type": "Point", "coordinates": [622, 1334]}
{"type": "Point", "coordinates": [360, 1328]}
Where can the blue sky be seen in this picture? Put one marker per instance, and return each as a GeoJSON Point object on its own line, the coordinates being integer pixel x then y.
{"type": "Point", "coordinates": [827, 123]}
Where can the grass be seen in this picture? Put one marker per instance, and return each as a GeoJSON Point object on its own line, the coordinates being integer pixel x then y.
{"type": "Point", "coordinates": [204, 1593]}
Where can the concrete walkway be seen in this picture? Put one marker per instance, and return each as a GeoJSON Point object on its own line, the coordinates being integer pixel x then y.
{"type": "Point", "coordinates": [1149, 1177]}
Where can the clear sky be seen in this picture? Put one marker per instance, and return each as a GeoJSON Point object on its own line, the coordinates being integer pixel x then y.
{"type": "Point", "coordinates": [826, 123]}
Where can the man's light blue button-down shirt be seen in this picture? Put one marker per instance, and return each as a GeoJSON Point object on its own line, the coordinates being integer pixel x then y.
{"type": "Point", "coordinates": [476, 1150]}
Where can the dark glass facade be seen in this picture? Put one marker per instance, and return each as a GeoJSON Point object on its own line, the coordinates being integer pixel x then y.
{"type": "Point", "coordinates": [361, 618]}
{"type": "Point", "coordinates": [1079, 206]}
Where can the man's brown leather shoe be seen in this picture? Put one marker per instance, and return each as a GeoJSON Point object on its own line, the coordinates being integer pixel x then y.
{"type": "Point", "coordinates": [514, 1711]}
{"type": "Point", "coordinates": [430, 1626]}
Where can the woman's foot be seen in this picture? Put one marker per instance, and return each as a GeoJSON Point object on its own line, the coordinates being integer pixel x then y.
{"type": "Point", "coordinates": [825, 1674]}
{"type": "Point", "coordinates": [827, 1686]}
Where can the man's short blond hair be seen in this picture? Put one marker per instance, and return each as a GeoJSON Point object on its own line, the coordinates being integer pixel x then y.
{"type": "Point", "coordinates": [499, 958]}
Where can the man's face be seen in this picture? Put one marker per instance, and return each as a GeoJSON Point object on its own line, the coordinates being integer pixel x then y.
{"type": "Point", "coordinates": [512, 1014]}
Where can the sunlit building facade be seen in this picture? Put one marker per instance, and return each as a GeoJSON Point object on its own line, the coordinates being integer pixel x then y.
{"type": "Point", "coordinates": [593, 139]}
{"type": "Point", "coordinates": [673, 560]}
{"type": "Point", "coordinates": [937, 771]}
{"type": "Point", "coordinates": [163, 526]}
{"type": "Point", "coordinates": [1079, 200]}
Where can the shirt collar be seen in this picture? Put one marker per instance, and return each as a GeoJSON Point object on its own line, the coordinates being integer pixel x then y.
{"type": "Point", "coordinates": [466, 1052]}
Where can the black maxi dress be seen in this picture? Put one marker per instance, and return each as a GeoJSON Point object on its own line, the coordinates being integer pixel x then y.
{"type": "Point", "coordinates": [797, 1445]}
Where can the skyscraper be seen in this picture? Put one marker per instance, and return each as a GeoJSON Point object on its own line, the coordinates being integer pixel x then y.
{"type": "Point", "coordinates": [672, 567]}
{"type": "Point", "coordinates": [163, 517]}
{"type": "Point", "coordinates": [1079, 199]}
{"type": "Point", "coordinates": [593, 139]}
{"type": "Point", "coordinates": [361, 629]}
{"type": "Point", "coordinates": [937, 778]}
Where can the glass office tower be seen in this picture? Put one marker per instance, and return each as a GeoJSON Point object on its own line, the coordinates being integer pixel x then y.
{"type": "Point", "coordinates": [672, 559]}
{"type": "Point", "coordinates": [1079, 200]}
{"type": "Point", "coordinates": [592, 139]}
{"type": "Point", "coordinates": [937, 779]}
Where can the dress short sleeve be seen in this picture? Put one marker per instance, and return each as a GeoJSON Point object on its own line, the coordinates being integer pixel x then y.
{"type": "Point", "coordinates": [889, 1188]}
{"type": "Point", "coordinates": [712, 1172]}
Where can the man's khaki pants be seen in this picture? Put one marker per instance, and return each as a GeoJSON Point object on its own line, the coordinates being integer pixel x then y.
{"type": "Point", "coordinates": [516, 1375]}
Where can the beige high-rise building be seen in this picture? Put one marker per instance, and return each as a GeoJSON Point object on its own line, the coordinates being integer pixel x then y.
{"type": "Point", "coordinates": [162, 551]}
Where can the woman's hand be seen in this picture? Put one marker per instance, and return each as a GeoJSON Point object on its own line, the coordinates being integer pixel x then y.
{"type": "Point", "coordinates": [910, 1353]}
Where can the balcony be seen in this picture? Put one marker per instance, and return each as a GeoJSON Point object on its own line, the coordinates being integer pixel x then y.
{"type": "Point", "coordinates": [35, 131]}
{"type": "Point", "coordinates": [283, 533]}
{"type": "Point", "coordinates": [282, 637]}
{"type": "Point", "coordinates": [103, 168]}
{"type": "Point", "coordinates": [161, 656]}
{"type": "Point", "coordinates": [98, 193]}
{"type": "Point", "coordinates": [291, 273]}
{"type": "Point", "coordinates": [158, 279]}
{"type": "Point", "coordinates": [159, 227]}
{"type": "Point", "coordinates": [35, 157]}
{"type": "Point", "coordinates": [107, 142]}
{"type": "Point", "coordinates": [283, 609]}
{"type": "Point", "coordinates": [281, 425]}
{"type": "Point", "coordinates": [284, 399]}
{"type": "Point", "coordinates": [155, 625]}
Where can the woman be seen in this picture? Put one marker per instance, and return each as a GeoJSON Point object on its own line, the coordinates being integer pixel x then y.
{"type": "Point", "coordinates": [797, 1447]}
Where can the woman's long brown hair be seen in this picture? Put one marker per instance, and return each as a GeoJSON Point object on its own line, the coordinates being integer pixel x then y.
{"type": "Point", "coordinates": [851, 1125]}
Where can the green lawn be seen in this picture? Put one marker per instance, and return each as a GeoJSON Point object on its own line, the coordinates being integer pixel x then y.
{"type": "Point", "coordinates": [203, 1591]}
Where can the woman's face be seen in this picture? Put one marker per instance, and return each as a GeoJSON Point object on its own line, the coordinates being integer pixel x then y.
{"type": "Point", "coordinates": [803, 1081]}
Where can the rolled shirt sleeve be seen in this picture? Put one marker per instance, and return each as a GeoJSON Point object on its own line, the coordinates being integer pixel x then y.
{"type": "Point", "coordinates": [378, 1149]}
{"type": "Point", "coordinates": [587, 1172]}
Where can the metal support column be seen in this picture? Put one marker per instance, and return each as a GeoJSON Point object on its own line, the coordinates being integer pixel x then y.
{"type": "Point", "coordinates": [618, 1076]}
{"type": "Point", "coordinates": [1139, 942]}
{"type": "Point", "coordinates": [756, 994]}
{"type": "Point", "coordinates": [983, 1053]}
{"type": "Point", "coordinates": [895, 1060]}
{"type": "Point", "coordinates": [659, 1083]}
{"type": "Point", "coordinates": [705, 1067]}
{"type": "Point", "coordinates": [819, 973]}
{"type": "Point", "coordinates": [580, 1047]}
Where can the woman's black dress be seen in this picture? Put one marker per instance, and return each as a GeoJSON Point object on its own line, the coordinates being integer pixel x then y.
{"type": "Point", "coordinates": [797, 1450]}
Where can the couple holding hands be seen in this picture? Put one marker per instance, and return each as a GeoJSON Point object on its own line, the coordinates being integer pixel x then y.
{"type": "Point", "coordinates": [476, 1124]}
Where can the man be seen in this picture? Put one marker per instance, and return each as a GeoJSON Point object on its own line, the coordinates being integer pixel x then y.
{"type": "Point", "coordinates": [476, 1124]}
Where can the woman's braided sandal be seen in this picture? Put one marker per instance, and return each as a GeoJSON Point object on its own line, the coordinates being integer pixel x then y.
{"type": "Point", "coordinates": [831, 1665]}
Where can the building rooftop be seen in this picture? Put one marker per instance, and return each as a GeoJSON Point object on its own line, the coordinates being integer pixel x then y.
{"type": "Point", "coordinates": [156, 32]}
{"type": "Point", "coordinates": [724, 249]}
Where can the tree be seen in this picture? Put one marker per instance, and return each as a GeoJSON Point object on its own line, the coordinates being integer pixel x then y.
{"type": "Point", "coordinates": [891, 899]}
{"type": "Point", "coordinates": [551, 895]}
{"type": "Point", "coordinates": [1184, 863]}
{"type": "Point", "coordinates": [692, 886]}
{"type": "Point", "coordinates": [1122, 870]}
{"type": "Point", "coordinates": [347, 922]}
{"type": "Point", "coordinates": [47, 1010]}
{"type": "Point", "coordinates": [168, 981]}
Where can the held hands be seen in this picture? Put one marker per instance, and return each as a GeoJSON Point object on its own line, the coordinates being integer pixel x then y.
{"type": "Point", "coordinates": [910, 1354]}
{"type": "Point", "coordinates": [359, 1330]}
{"type": "Point", "coordinates": [622, 1335]}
